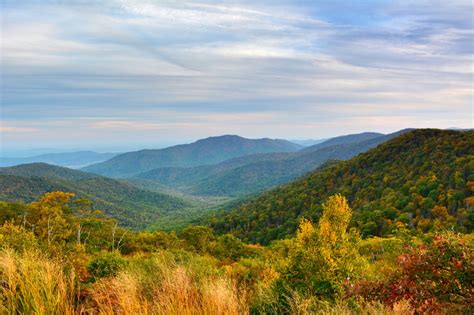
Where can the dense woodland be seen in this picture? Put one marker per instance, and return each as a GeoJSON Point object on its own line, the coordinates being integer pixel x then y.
{"type": "Point", "coordinates": [387, 232]}
{"type": "Point", "coordinates": [421, 181]}
{"type": "Point", "coordinates": [133, 207]}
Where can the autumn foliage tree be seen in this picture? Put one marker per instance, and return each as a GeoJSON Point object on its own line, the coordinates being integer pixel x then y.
{"type": "Point", "coordinates": [47, 217]}
{"type": "Point", "coordinates": [323, 258]}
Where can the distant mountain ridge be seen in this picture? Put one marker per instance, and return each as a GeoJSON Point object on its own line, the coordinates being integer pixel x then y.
{"type": "Point", "coordinates": [257, 172]}
{"type": "Point", "coordinates": [207, 151]}
{"type": "Point", "coordinates": [133, 207]}
{"type": "Point", "coordinates": [308, 142]}
{"type": "Point", "coordinates": [46, 170]}
{"type": "Point", "coordinates": [352, 138]}
{"type": "Point", "coordinates": [69, 159]}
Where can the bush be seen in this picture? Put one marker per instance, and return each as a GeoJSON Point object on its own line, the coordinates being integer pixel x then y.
{"type": "Point", "coordinates": [432, 277]}
{"type": "Point", "coordinates": [16, 237]}
{"type": "Point", "coordinates": [106, 265]}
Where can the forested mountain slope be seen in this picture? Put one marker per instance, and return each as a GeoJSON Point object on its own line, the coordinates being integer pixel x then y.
{"type": "Point", "coordinates": [47, 171]}
{"type": "Point", "coordinates": [421, 180]}
{"type": "Point", "coordinates": [254, 173]}
{"type": "Point", "coordinates": [190, 176]}
{"type": "Point", "coordinates": [133, 207]}
{"type": "Point", "coordinates": [203, 152]}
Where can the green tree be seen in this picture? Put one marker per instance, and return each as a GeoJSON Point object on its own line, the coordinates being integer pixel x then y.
{"type": "Point", "coordinates": [199, 238]}
{"type": "Point", "coordinates": [229, 246]}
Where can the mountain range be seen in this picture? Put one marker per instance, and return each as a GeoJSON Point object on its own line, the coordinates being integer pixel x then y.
{"type": "Point", "coordinates": [253, 173]}
{"type": "Point", "coordinates": [346, 139]}
{"type": "Point", "coordinates": [175, 196]}
{"type": "Point", "coordinates": [202, 152]}
{"type": "Point", "coordinates": [162, 193]}
{"type": "Point", "coordinates": [70, 159]}
{"type": "Point", "coordinates": [308, 142]}
{"type": "Point", "coordinates": [421, 180]}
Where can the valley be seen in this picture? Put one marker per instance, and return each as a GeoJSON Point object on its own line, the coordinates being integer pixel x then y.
{"type": "Point", "coordinates": [335, 218]}
{"type": "Point", "coordinates": [169, 198]}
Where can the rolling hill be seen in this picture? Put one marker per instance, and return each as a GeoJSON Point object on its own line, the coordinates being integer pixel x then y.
{"type": "Point", "coordinates": [352, 138]}
{"type": "Point", "coordinates": [202, 152]}
{"type": "Point", "coordinates": [189, 176]}
{"type": "Point", "coordinates": [69, 159]}
{"type": "Point", "coordinates": [308, 142]}
{"type": "Point", "coordinates": [257, 172]}
{"type": "Point", "coordinates": [423, 180]}
{"type": "Point", "coordinates": [133, 207]}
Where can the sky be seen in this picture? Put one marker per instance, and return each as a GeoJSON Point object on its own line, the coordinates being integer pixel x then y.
{"type": "Point", "coordinates": [120, 74]}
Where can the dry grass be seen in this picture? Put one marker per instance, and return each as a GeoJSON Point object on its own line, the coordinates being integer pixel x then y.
{"type": "Point", "coordinates": [174, 291]}
{"type": "Point", "coordinates": [118, 295]}
{"type": "Point", "coordinates": [33, 284]}
{"type": "Point", "coordinates": [374, 308]}
{"type": "Point", "coordinates": [311, 306]}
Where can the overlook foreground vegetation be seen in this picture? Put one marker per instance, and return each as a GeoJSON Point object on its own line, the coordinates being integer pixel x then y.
{"type": "Point", "coordinates": [59, 257]}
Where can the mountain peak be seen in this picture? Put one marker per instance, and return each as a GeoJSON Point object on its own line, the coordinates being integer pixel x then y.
{"type": "Point", "coordinates": [222, 137]}
{"type": "Point", "coordinates": [206, 151]}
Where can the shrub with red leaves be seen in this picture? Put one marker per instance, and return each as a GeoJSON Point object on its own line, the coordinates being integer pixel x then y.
{"type": "Point", "coordinates": [435, 278]}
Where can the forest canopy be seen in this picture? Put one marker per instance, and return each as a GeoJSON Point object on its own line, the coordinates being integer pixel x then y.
{"type": "Point", "coordinates": [419, 182]}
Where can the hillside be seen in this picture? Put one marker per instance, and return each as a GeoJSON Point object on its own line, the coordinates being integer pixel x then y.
{"type": "Point", "coordinates": [254, 173]}
{"type": "Point", "coordinates": [352, 138]}
{"type": "Point", "coordinates": [190, 176]}
{"type": "Point", "coordinates": [69, 159]}
{"type": "Point", "coordinates": [308, 142]}
{"type": "Point", "coordinates": [46, 171]}
{"type": "Point", "coordinates": [420, 180]}
{"type": "Point", "coordinates": [260, 175]}
{"type": "Point", "coordinates": [202, 152]}
{"type": "Point", "coordinates": [133, 207]}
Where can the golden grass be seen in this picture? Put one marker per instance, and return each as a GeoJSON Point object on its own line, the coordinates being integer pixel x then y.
{"type": "Point", "coordinates": [374, 308]}
{"type": "Point", "coordinates": [309, 307]}
{"type": "Point", "coordinates": [174, 291]}
{"type": "Point", "coordinates": [33, 284]}
{"type": "Point", "coordinates": [118, 295]}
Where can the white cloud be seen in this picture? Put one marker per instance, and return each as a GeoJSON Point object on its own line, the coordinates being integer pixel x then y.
{"type": "Point", "coordinates": [247, 65]}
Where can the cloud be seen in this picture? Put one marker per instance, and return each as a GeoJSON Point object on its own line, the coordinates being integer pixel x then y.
{"type": "Point", "coordinates": [171, 66]}
{"type": "Point", "coordinates": [12, 129]}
